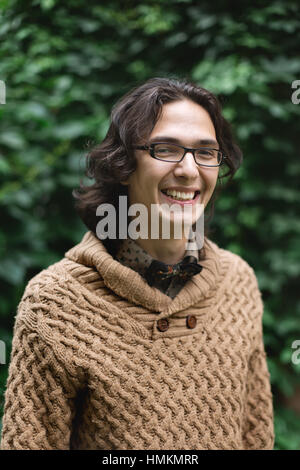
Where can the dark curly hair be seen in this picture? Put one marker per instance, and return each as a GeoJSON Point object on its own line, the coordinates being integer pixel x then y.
{"type": "Point", "coordinates": [133, 118]}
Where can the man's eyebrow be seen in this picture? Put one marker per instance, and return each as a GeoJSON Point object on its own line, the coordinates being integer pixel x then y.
{"type": "Point", "coordinates": [174, 140]}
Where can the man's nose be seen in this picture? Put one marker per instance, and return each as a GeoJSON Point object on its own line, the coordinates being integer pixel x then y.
{"type": "Point", "coordinates": [188, 164]}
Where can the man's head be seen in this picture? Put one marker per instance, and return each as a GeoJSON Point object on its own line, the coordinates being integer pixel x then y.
{"type": "Point", "coordinates": [154, 181]}
{"type": "Point", "coordinates": [161, 107]}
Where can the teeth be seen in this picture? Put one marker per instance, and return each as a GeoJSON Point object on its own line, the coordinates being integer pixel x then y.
{"type": "Point", "coordinates": [180, 195]}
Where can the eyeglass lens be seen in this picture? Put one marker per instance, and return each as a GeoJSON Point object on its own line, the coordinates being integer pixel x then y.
{"type": "Point", "coordinates": [171, 152]}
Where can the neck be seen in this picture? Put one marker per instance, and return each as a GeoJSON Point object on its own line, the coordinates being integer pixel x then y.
{"type": "Point", "coordinates": [167, 251]}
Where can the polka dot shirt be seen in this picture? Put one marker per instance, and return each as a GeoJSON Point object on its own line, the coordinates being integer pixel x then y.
{"type": "Point", "coordinates": [133, 256]}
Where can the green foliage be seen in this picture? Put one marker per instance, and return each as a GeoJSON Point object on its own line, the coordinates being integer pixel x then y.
{"type": "Point", "coordinates": [64, 65]}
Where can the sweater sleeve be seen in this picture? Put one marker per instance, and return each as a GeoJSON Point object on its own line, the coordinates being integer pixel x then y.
{"type": "Point", "coordinates": [39, 399]}
{"type": "Point", "coordinates": [258, 428]}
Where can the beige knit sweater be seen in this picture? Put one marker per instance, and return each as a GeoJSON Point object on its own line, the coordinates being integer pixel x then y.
{"type": "Point", "coordinates": [90, 369]}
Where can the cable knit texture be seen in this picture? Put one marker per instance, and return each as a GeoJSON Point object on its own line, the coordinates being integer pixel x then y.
{"type": "Point", "coordinates": [90, 369]}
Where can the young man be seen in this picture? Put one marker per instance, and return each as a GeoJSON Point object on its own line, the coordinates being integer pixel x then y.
{"type": "Point", "coordinates": [142, 343]}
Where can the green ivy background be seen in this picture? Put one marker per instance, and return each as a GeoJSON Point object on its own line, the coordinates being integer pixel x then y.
{"type": "Point", "coordinates": [65, 64]}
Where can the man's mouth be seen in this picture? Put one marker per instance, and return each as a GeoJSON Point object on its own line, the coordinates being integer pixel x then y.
{"type": "Point", "coordinates": [180, 196]}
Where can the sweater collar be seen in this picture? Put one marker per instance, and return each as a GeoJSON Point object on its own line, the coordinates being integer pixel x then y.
{"type": "Point", "coordinates": [130, 285]}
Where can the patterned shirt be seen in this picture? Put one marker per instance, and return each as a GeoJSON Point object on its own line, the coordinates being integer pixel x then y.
{"type": "Point", "coordinates": [130, 254]}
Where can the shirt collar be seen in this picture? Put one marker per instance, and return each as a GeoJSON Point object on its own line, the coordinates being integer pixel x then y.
{"type": "Point", "coordinates": [132, 255]}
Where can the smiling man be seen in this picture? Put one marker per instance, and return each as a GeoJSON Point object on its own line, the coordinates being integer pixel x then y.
{"type": "Point", "coordinates": [143, 343]}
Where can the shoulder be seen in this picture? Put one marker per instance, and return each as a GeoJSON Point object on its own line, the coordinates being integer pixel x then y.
{"type": "Point", "coordinates": [49, 281]}
{"type": "Point", "coordinates": [233, 260]}
{"type": "Point", "coordinates": [237, 272]}
{"type": "Point", "coordinates": [49, 296]}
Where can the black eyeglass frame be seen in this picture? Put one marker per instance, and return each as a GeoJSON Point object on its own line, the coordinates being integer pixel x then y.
{"type": "Point", "coordinates": [151, 148]}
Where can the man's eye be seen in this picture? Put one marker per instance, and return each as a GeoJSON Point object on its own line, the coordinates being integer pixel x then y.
{"type": "Point", "coordinates": [206, 153]}
{"type": "Point", "coordinates": [165, 149]}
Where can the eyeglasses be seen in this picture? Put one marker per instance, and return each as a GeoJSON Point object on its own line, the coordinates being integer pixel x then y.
{"type": "Point", "coordinates": [204, 156]}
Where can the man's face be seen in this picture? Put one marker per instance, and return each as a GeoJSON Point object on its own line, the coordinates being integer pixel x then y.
{"type": "Point", "coordinates": [188, 123]}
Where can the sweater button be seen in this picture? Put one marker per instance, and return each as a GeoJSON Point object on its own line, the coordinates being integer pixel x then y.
{"type": "Point", "coordinates": [162, 324]}
{"type": "Point", "coordinates": [191, 321]}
